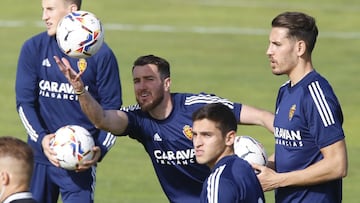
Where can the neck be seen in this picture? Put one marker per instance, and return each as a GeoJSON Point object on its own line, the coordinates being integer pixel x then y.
{"type": "Point", "coordinates": [163, 110]}
{"type": "Point", "coordinates": [300, 72]}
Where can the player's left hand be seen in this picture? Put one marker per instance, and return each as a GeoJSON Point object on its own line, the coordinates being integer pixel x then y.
{"type": "Point", "coordinates": [268, 178]}
{"type": "Point", "coordinates": [87, 164]}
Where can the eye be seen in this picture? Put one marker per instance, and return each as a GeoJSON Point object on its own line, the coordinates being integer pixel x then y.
{"type": "Point", "coordinates": [136, 81]}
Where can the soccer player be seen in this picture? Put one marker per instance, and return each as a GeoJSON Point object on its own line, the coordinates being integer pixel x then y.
{"type": "Point", "coordinates": [161, 121]}
{"type": "Point", "coordinates": [16, 166]}
{"type": "Point", "coordinates": [46, 101]}
{"type": "Point", "coordinates": [232, 179]}
{"type": "Point", "coordinates": [310, 151]}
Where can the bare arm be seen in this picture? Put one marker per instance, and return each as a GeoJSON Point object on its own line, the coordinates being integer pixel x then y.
{"type": "Point", "coordinates": [114, 121]}
{"type": "Point", "coordinates": [253, 116]}
{"type": "Point", "coordinates": [333, 166]}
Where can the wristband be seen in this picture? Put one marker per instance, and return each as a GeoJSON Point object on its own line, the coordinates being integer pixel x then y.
{"type": "Point", "coordinates": [80, 92]}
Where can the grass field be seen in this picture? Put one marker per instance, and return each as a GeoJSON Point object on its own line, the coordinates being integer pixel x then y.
{"type": "Point", "coordinates": [215, 46]}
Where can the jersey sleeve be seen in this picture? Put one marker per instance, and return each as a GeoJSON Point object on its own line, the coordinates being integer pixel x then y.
{"type": "Point", "coordinates": [26, 89]}
{"type": "Point", "coordinates": [227, 191]}
{"type": "Point", "coordinates": [109, 93]}
{"type": "Point", "coordinates": [324, 114]}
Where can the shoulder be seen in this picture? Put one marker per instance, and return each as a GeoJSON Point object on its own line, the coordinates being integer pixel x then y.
{"type": "Point", "coordinates": [236, 166]}
{"type": "Point", "coordinates": [205, 98]}
{"type": "Point", "coordinates": [315, 81]}
{"type": "Point", "coordinates": [38, 40]}
{"type": "Point", "coordinates": [105, 51]}
{"type": "Point", "coordinates": [233, 164]}
{"type": "Point", "coordinates": [317, 88]}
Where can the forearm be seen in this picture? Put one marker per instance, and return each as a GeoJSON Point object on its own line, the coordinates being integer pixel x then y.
{"type": "Point", "coordinates": [253, 116]}
{"type": "Point", "coordinates": [114, 121]}
{"type": "Point", "coordinates": [312, 175]}
{"type": "Point", "coordinates": [92, 109]}
{"type": "Point", "coordinates": [332, 166]}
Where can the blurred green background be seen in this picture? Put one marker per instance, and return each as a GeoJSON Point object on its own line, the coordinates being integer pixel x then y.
{"type": "Point", "coordinates": [214, 46]}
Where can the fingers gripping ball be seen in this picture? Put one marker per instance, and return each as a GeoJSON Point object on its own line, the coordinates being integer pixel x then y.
{"type": "Point", "coordinates": [80, 34]}
{"type": "Point", "coordinates": [73, 145]}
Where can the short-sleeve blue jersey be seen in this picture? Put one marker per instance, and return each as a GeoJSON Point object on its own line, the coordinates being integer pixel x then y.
{"type": "Point", "coordinates": [46, 101]}
{"type": "Point", "coordinates": [169, 144]}
{"type": "Point", "coordinates": [308, 117]}
{"type": "Point", "coordinates": [232, 180]}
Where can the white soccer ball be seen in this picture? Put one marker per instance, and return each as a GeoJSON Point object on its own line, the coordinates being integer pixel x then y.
{"type": "Point", "coordinates": [73, 144]}
{"type": "Point", "coordinates": [250, 150]}
{"type": "Point", "coordinates": [80, 34]}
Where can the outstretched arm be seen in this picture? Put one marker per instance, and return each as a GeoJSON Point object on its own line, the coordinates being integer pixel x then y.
{"type": "Point", "coordinates": [114, 121]}
{"type": "Point", "coordinates": [253, 116]}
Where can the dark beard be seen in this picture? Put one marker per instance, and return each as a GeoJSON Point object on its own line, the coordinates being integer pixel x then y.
{"type": "Point", "coordinates": [152, 105]}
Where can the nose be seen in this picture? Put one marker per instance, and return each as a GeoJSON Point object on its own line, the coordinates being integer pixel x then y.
{"type": "Point", "coordinates": [197, 141]}
{"type": "Point", "coordinates": [269, 51]}
{"type": "Point", "coordinates": [140, 85]}
{"type": "Point", "coordinates": [44, 15]}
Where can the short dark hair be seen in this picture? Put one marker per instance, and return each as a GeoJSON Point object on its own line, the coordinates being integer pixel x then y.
{"type": "Point", "coordinates": [162, 64]}
{"type": "Point", "coordinates": [220, 114]}
{"type": "Point", "coordinates": [301, 26]}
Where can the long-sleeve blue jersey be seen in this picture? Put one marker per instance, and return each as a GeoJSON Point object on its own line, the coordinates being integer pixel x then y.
{"type": "Point", "coordinates": [46, 101]}
{"type": "Point", "coordinates": [169, 144]}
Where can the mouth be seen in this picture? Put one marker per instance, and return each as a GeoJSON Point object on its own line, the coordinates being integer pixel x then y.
{"type": "Point", "coordinates": [144, 94]}
{"type": "Point", "coordinates": [48, 25]}
{"type": "Point", "coordinates": [199, 153]}
{"type": "Point", "coordinates": [272, 61]}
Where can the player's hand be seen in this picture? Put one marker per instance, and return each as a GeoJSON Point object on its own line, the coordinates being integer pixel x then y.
{"type": "Point", "coordinates": [73, 77]}
{"type": "Point", "coordinates": [49, 153]}
{"type": "Point", "coordinates": [268, 178]}
{"type": "Point", "coordinates": [87, 164]}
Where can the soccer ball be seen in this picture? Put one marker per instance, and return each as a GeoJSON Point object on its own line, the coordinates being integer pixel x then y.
{"type": "Point", "coordinates": [73, 144]}
{"type": "Point", "coordinates": [250, 150]}
{"type": "Point", "coordinates": [80, 34]}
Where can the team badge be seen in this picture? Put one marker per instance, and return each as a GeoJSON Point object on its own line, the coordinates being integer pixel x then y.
{"type": "Point", "coordinates": [292, 111]}
{"type": "Point", "coordinates": [187, 130]}
{"type": "Point", "coordinates": [82, 64]}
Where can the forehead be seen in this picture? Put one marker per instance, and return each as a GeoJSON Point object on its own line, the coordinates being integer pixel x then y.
{"type": "Point", "coordinates": [279, 34]}
{"type": "Point", "coordinates": [204, 125]}
{"type": "Point", "coordinates": [53, 3]}
{"type": "Point", "coordinates": [148, 69]}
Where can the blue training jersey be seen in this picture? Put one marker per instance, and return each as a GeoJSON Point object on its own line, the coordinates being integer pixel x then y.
{"type": "Point", "coordinates": [232, 180]}
{"type": "Point", "coordinates": [46, 101]}
{"type": "Point", "coordinates": [169, 144]}
{"type": "Point", "coordinates": [308, 117]}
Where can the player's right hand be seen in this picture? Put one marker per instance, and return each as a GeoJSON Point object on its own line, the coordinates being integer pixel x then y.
{"type": "Point", "coordinates": [49, 153]}
{"type": "Point", "coordinates": [73, 77]}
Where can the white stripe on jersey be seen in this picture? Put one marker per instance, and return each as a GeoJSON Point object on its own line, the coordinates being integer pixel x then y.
{"type": "Point", "coordinates": [130, 108]}
{"type": "Point", "coordinates": [207, 98]}
{"type": "Point", "coordinates": [213, 184]}
{"type": "Point", "coordinates": [31, 132]}
{"type": "Point", "coordinates": [93, 183]}
{"type": "Point", "coordinates": [109, 141]}
{"type": "Point", "coordinates": [321, 103]}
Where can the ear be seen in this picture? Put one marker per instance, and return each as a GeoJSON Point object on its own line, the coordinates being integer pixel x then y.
{"type": "Point", "coordinates": [167, 83]}
{"type": "Point", "coordinates": [230, 138]}
{"type": "Point", "coordinates": [4, 178]}
{"type": "Point", "coordinates": [300, 47]}
{"type": "Point", "coordinates": [73, 7]}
